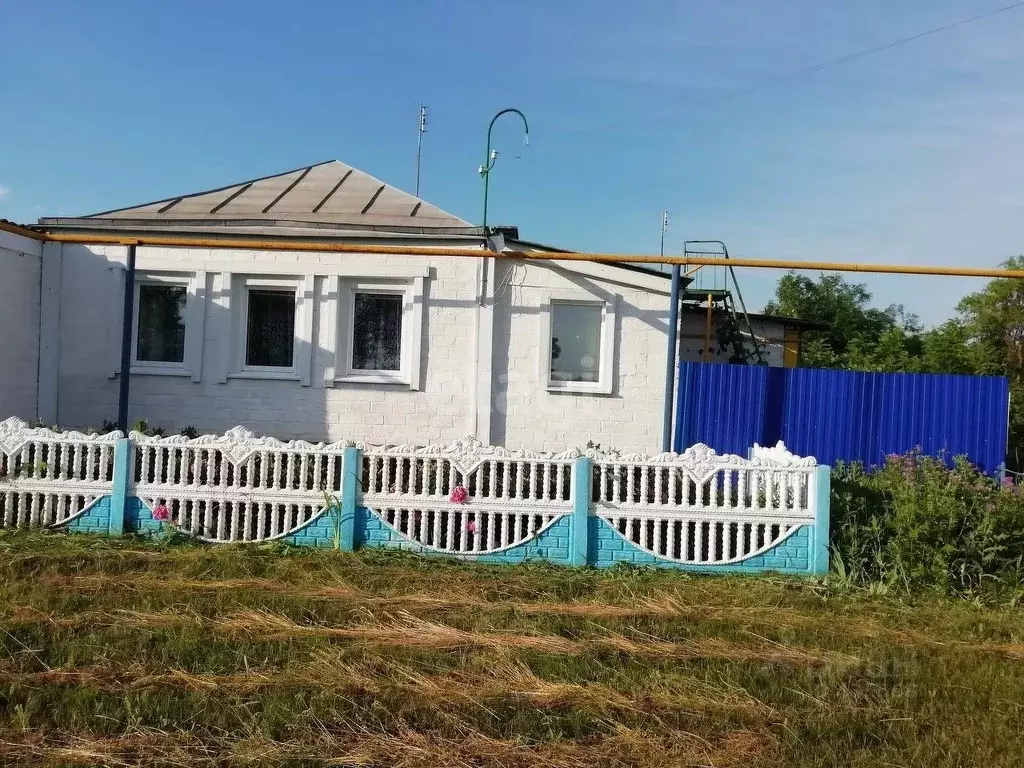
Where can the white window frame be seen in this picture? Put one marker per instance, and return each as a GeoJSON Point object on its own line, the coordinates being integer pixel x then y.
{"type": "Point", "coordinates": [302, 288]}
{"type": "Point", "coordinates": [194, 284]}
{"type": "Point", "coordinates": [345, 288]}
{"type": "Point", "coordinates": [604, 384]}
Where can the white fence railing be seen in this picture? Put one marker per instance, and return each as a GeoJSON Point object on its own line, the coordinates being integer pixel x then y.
{"type": "Point", "coordinates": [510, 496]}
{"type": "Point", "coordinates": [237, 486]}
{"type": "Point", "coordinates": [49, 478]}
{"type": "Point", "coordinates": [699, 507]}
{"type": "Point", "coordinates": [465, 498]}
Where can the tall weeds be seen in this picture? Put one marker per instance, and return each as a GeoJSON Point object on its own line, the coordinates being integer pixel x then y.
{"type": "Point", "coordinates": [917, 523]}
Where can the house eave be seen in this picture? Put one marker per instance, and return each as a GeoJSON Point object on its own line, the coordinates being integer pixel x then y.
{"type": "Point", "coordinates": [279, 228]}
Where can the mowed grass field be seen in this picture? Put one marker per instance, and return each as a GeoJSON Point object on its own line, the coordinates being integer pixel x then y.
{"type": "Point", "coordinates": [127, 653]}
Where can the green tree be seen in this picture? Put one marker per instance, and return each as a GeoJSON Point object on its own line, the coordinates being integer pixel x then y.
{"type": "Point", "coordinates": [986, 337]}
{"type": "Point", "coordinates": [993, 319]}
{"type": "Point", "coordinates": [854, 327]}
{"type": "Point", "coordinates": [947, 349]}
{"type": "Point", "coordinates": [890, 353]}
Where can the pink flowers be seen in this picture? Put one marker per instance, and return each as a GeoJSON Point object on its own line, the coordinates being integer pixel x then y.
{"type": "Point", "coordinates": [460, 495]}
{"type": "Point", "coordinates": [168, 530]}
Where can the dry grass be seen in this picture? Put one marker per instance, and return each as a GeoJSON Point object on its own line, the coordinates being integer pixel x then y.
{"type": "Point", "coordinates": [451, 598]}
{"type": "Point", "coordinates": [121, 655]}
{"type": "Point", "coordinates": [406, 748]}
{"type": "Point", "coordinates": [500, 678]}
{"type": "Point", "coordinates": [408, 631]}
{"type": "Point", "coordinates": [405, 629]}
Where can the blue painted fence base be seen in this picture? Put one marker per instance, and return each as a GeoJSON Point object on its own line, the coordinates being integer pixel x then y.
{"type": "Point", "coordinates": [577, 538]}
{"type": "Point", "coordinates": [602, 546]}
{"type": "Point", "coordinates": [552, 545]}
{"type": "Point", "coordinates": [609, 548]}
{"type": "Point", "coordinates": [95, 519]}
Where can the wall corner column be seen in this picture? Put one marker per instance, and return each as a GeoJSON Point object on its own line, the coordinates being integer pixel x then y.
{"type": "Point", "coordinates": [52, 270]}
{"type": "Point", "coordinates": [483, 369]}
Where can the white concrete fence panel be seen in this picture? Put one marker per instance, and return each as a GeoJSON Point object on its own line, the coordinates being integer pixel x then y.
{"type": "Point", "coordinates": [237, 486]}
{"type": "Point", "coordinates": [50, 478]}
{"type": "Point", "coordinates": [510, 497]}
{"type": "Point", "coordinates": [465, 499]}
{"type": "Point", "coordinates": [702, 508]}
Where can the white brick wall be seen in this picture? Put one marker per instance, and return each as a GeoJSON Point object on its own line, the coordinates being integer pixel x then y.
{"type": "Point", "coordinates": [527, 415]}
{"type": "Point", "coordinates": [90, 339]}
{"type": "Point", "coordinates": [20, 264]}
{"type": "Point", "coordinates": [522, 412]}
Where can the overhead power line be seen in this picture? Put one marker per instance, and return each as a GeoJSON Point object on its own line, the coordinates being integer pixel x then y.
{"type": "Point", "coordinates": [812, 69]}
{"type": "Point", "coordinates": [867, 52]}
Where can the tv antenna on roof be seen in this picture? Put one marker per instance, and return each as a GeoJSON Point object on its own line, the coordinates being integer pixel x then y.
{"type": "Point", "coordinates": [419, 144]}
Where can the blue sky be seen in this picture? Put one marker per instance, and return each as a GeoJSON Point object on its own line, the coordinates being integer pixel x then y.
{"type": "Point", "coordinates": [912, 155]}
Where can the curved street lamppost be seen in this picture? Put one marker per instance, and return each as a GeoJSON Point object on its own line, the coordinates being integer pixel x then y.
{"type": "Point", "coordinates": [492, 156]}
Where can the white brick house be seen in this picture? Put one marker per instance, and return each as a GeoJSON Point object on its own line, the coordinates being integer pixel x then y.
{"type": "Point", "coordinates": [321, 345]}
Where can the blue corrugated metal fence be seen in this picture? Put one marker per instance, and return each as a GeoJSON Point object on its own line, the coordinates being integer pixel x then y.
{"type": "Point", "coordinates": [842, 415]}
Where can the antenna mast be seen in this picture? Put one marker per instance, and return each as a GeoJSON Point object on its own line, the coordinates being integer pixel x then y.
{"type": "Point", "coordinates": [419, 144]}
{"type": "Point", "coordinates": [664, 229]}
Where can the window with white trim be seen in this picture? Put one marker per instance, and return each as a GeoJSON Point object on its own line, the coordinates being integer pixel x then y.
{"type": "Point", "coordinates": [272, 327]}
{"type": "Point", "coordinates": [160, 323]}
{"type": "Point", "coordinates": [379, 329]}
{"type": "Point", "coordinates": [166, 324]}
{"type": "Point", "coordinates": [577, 351]}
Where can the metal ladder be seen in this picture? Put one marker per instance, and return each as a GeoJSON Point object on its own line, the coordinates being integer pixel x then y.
{"type": "Point", "coordinates": [747, 348]}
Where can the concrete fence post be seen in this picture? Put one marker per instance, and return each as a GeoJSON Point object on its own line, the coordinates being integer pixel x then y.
{"type": "Point", "coordinates": [352, 467]}
{"type": "Point", "coordinates": [822, 519]}
{"type": "Point", "coordinates": [121, 492]}
{"type": "Point", "coordinates": [580, 523]}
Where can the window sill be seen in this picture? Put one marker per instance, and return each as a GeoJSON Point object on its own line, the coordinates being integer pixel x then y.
{"type": "Point", "coordinates": [285, 375]}
{"type": "Point", "coordinates": [371, 378]}
{"type": "Point", "coordinates": [579, 387]}
{"type": "Point", "coordinates": [146, 370]}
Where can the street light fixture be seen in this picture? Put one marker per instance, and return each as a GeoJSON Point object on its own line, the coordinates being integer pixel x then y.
{"type": "Point", "coordinates": [492, 155]}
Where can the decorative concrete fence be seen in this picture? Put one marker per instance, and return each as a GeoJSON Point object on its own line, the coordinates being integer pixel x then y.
{"type": "Point", "coordinates": [695, 510]}
{"type": "Point", "coordinates": [236, 487]}
{"type": "Point", "coordinates": [54, 478]}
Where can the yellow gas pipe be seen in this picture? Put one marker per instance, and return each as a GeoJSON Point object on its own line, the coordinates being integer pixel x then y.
{"type": "Point", "coordinates": [319, 246]}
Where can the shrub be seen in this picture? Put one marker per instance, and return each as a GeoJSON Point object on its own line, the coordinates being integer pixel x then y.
{"type": "Point", "coordinates": [917, 523]}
